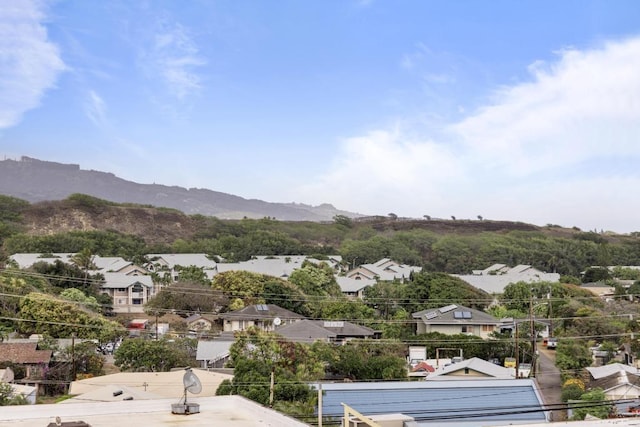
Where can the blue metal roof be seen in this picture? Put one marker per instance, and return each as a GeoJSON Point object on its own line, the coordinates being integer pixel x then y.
{"type": "Point", "coordinates": [437, 402]}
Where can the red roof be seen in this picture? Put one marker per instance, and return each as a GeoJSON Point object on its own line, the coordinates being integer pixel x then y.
{"type": "Point", "coordinates": [24, 353]}
{"type": "Point", "coordinates": [423, 367]}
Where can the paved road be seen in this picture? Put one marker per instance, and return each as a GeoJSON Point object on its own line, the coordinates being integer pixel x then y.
{"type": "Point", "coordinates": [548, 377]}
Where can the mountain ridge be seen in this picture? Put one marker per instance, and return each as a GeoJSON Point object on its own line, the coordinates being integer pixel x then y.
{"type": "Point", "coordinates": [37, 180]}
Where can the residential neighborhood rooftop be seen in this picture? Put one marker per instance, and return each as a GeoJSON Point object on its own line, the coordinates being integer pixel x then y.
{"type": "Point", "coordinates": [231, 411]}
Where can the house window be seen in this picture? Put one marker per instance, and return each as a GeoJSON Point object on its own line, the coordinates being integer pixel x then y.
{"type": "Point", "coordinates": [487, 328]}
{"type": "Point", "coordinates": [122, 290]}
{"type": "Point", "coordinates": [466, 329]}
{"type": "Point", "coordinates": [466, 371]}
{"type": "Point", "coordinates": [136, 301]}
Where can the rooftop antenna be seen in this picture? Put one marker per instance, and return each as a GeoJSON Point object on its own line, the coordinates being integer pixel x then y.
{"type": "Point", "coordinates": [192, 385]}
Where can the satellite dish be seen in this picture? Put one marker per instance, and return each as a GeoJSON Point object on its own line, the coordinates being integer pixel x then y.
{"type": "Point", "coordinates": [277, 321]}
{"type": "Point", "coordinates": [191, 383]}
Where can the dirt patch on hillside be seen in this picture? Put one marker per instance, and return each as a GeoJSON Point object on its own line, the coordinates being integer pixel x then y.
{"type": "Point", "coordinates": [151, 224]}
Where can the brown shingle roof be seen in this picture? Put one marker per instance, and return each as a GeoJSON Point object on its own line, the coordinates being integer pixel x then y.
{"type": "Point", "coordinates": [24, 353]}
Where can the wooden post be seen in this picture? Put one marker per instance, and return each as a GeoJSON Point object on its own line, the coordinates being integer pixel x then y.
{"type": "Point", "coordinates": [319, 404]}
{"type": "Point", "coordinates": [73, 356]}
{"type": "Point", "coordinates": [271, 388]}
{"type": "Point", "coordinates": [515, 337]}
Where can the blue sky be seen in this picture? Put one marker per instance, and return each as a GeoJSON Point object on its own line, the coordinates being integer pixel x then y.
{"type": "Point", "coordinates": [517, 110]}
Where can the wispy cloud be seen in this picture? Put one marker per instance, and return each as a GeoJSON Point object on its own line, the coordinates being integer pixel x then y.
{"type": "Point", "coordinates": [175, 58]}
{"type": "Point", "coordinates": [29, 62]}
{"type": "Point", "coordinates": [558, 148]}
{"type": "Point", "coordinates": [96, 109]}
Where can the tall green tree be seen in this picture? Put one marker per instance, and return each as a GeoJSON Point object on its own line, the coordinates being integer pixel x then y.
{"type": "Point", "coordinates": [571, 357]}
{"type": "Point", "coordinates": [315, 279]}
{"type": "Point", "coordinates": [256, 355]}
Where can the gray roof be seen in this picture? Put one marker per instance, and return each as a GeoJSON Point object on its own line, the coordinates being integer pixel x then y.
{"type": "Point", "coordinates": [276, 266]}
{"type": "Point", "coordinates": [110, 263]}
{"type": "Point", "coordinates": [121, 280]}
{"type": "Point", "coordinates": [26, 260]}
{"type": "Point", "coordinates": [495, 278]}
{"type": "Point", "coordinates": [213, 351]}
{"type": "Point", "coordinates": [474, 403]}
{"type": "Point", "coordinates": [474, 364]}
{"type": "Point", "coordinates": [455, 315]}
{"type": "Point", "coordinates": [312, 330]}
{"type": "Point", "coordinates": [184, 260]}
{"type": "Point", "coordinates": [598, 372]}
{"type": "Point", "coordinates": [261, 311]}
{"type": "Point", "coordinates": [385, 270]}
{"type": "Point", "coordinates": [348, 284]}
{"type": "Point", "coordinates": [620, 378]}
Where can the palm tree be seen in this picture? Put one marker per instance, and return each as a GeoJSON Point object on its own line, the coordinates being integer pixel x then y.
{"type": "Point", "coordinates": [84, 261]}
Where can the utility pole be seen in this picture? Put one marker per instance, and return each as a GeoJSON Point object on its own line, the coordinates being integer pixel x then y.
{"type": "Point", "coordinates": [515, 339]}
{"type": "Point", "coordinates": [549, 299]}
{"type": "Point", "coordinates": [319, 404]}
{"type": "Point", "coordinates": [73, 356]}
{"type": "Point", "coordinates": [533, 335]}
{"type": "Point", "coordinates": [271, 387]}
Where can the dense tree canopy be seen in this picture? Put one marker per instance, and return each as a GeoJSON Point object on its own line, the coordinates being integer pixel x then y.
{"type": "Point", "coordinates": [431, 290]}
{"type": "Point", "coordinates": [58, 318]}
{"type": "Point", "coordinates": [140, 355]}
{"type": "Point", "coordinates": [186, 298]}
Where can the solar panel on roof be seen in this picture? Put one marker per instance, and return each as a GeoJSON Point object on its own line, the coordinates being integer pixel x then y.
{"type": "Point", "coordinates": [466, 315]}
{"type": "Point", "coordinates": [431, 315]}
{"type": "Point", "coordinates": [457, 315]}
{"type": "Point", "coordinates": [262, 307]}
{"type": "Point", "coordinates": [448, 308]}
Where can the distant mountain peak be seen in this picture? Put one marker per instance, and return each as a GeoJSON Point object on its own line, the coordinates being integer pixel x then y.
{"type": "Point", "coordinates": [37, 180]}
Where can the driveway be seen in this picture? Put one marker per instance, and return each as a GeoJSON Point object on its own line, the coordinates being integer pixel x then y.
{"type": "Point", "coordinates": [550, 383]}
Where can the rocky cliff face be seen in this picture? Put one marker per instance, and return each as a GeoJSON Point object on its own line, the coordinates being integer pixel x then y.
{"type": "Point", "coordinates": [152, 224]}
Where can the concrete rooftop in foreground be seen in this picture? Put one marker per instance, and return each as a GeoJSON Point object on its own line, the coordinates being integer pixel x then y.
{"type": "Point", "coordinates": [232, 411]}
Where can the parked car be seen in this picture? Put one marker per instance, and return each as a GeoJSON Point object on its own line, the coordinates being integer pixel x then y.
{"type": "Point", "coordinates": [509, 362]}
{"type": "Point", "coordinates": [552, 343]}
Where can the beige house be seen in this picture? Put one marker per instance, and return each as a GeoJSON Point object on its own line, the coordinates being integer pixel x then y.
{"type": "Point", "coordinates": [455, 319]}
{"type": "Point", "coordinates": [129, 293]}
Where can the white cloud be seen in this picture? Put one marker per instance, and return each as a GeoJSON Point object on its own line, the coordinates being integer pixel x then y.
{"type": "Point", "coordinates": [553, 149]}
{"type": "Point", "coordinates": [29, 62]}
{"type": "Point", "coordinates": [175, 58]}
{"type": "Point", "coordinates": [96, 109]}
